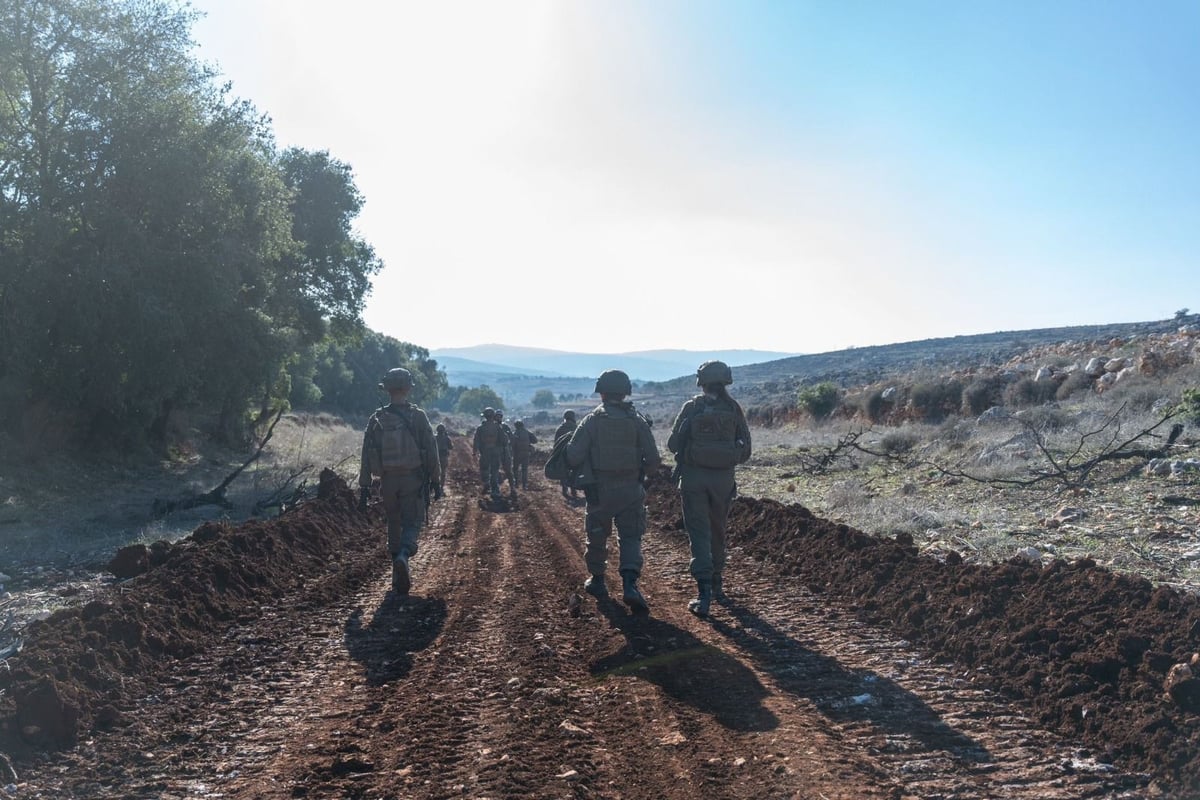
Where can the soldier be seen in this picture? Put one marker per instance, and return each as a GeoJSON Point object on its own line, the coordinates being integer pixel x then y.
{"type": "Point", "coordinates": [506, 456]}
{"type": "Point", "coordinates": [523, 441]}
{"type": "Point", "coordinates": [566, 429]}
{"type": "Point", "coordinates": [614, 444]}
{"type": "Point", "coordinates": [444, 446]}
{"type": "Point", "coordinates": [488, 445]}
{"type": "Point", "coordinates": [399, 448]}
{"type": "Point", "coordinates": [709, 438]}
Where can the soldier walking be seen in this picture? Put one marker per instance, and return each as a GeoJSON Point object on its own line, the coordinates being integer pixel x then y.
{"type": "Point", "coordinates": [709, 438]}
{"type": "Point", "coordinates": [614, 447]}
{"type": "Point", "coordinates": [566, 429]}
{"type": "Point", "coordinates": [399, 448]}
{"type": "Point", "coordinates": [444, 446]}
{"type": "Point", "coordinates": [523, 441]}
{"type": "Point", "coordinates": [506, 455]}
{"type": "Point", "coordinates": [488, 445]}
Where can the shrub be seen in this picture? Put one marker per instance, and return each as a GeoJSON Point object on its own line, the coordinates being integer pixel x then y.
{"type": "Point", "coordinates": [935, 401]}
{"type": "Point", "coordinates": [1028, 392]}
{"type": "Point", "coordinates": [1190, 406]}
{"type": "Point", "coordinates": [898, 442]}
{"type": "Point", "coordinates": [982, 394]}
{"type": "Point", "coordinates": [1076, 382]}
{"type": "Point", "coordinates": [819, 400]}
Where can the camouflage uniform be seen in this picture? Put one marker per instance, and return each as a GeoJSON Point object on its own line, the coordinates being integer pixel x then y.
{"type": "Point", "coordinates": [566, 429]}
{"type": "Point", "coordinates": [710, 436]}
{"type": "Point", "coordinates": [506, 456]}
{"type": "Point", "coordinates": [488, 444]}
{"type": "Point", "coordinates": [399, 448]}
{"type": "Point", "coordinates": [523, 441]}
{"type": "Point", "coordinates": [615, 443]}
{"type": "Point", "coordinates": [444, 446]}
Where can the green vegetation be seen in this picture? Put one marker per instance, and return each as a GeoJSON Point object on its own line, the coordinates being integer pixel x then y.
{"type": "Point", "coordinates": [819, 400]}
{"type": "Point", "coordinates": [158, 253]}
{"type": "Point", "coordinates": [543, 398]}
{"type": "Point", "coordinates": [1190, 406]}
{"type": "Point", "coordinates": [473, 401]}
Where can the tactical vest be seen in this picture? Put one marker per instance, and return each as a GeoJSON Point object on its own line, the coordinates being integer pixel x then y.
{"type": "Point", "coordinates": [490, 434]}
{"type": "Point", "coordinates": [712, 442]}
{"type": "Point", "coordinates": [520, 442]}
{"type": "Point", "coordinates": [399, 446]}
{"type": "Point", "coordinates": [615, 443]}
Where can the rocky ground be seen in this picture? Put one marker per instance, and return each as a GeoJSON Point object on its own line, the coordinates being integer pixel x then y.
{"type": "Point", "coordinates": [270, 660]}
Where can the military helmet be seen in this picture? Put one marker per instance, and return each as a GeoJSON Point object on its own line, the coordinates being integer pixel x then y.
{"type": "Point", "coordinates": [441, 428]}
{"type": "Point", "coordinates": [489, 413]}
{"type": "Point", "coordinates": [520, 423]}
{"type": "Point", "coordinates": [568, 414]}
{"type": "Point", "coordinates": [499, 414]}
{"type": "Point", "coordinates": [398, 378]}
{"type": "Point", "coordinates": [613, 381]}
{"type": "Point", "coordinates": [714, 372]}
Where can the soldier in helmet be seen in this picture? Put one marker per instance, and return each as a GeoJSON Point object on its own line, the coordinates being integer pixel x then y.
{"type": "Point", "coordinates": [522, 442]}
{"type": "Point", "coordinates": [399, 448]}
{"type": "Point", "coordinates": [709, 438]}
{"type": "Point", "coordinates": [566, 429]}
{"type": "Point", "coordinates": [488, 445]}
{"type": "Point", "coordinates": [444, 446]}
{"type": "Point", "coordinates": [506, 456]}
{"type": "Point", "coordinates": [615, 445]}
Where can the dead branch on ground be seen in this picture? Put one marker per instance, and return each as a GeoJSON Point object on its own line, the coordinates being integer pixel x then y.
{"type": "Point", "coordinates": [1073, 467]}
{"type": "Point", "coordinates": [823, 460]}
{"type": "Point", "coordinates": [216, 495]}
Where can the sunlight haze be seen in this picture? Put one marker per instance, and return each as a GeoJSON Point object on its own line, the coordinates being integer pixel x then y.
{"type": "Point", "coordinates": [801, 177]}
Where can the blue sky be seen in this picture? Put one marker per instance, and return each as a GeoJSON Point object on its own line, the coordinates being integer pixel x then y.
{"type": "Point", "coordinates": [615, 175]}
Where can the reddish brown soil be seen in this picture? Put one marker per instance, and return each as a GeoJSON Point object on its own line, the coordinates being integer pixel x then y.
{"type": "Point", "coordinates": [269, 661]}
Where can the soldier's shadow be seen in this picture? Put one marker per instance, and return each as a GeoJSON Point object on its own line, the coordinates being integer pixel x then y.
{"type": "Point", "coordinates": [399, 627]}
{"type": "Point", "coordinates": [687, 669]}
{"type": "Point", "coordinates": [842, 694]}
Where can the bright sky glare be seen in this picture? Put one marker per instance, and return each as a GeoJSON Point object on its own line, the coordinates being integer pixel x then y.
{"type": "Point", "coordinates": [615, 175]}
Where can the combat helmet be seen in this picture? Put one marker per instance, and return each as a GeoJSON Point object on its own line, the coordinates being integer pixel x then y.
{"type": "Point", "coordinates": [613, 381]}
{"type": "Point", "coordinates": [441, 428]}
{"type": "Point", "coordinates": [398, 378]}
{"type": "Point", "coordinates": [569, 414]}
{"type": "Point", "coordinates": [489, 413]}
{"type": "Point", "coordinates": [520, 423]}
{"type": "Point", "coordinates": [714, 372]}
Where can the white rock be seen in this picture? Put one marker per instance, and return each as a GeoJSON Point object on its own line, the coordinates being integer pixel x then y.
{"type": "Point", "coordinates": [1030, 554]}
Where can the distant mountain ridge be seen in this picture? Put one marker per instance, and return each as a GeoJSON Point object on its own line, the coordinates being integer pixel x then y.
{"type": "Point", "coordinates": [644, 365]}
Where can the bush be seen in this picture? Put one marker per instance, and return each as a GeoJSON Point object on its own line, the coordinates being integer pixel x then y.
{"type": "Point", "coordinates": [819, 400]}
{"type": "Point", "coordinates": [982, 394]}
{"type": "Point", "coordinates": [935, 401]}
{"type": "Point", "coordinates": [874, 406]}
{"type": "Point", "coordinates": [1190, 406]}
{"type": "Point", "coordinates": [1028, 392]}
{"type": "Point", "coordinates": [1076, 382]}
{"type": "Point", "coordinates": [898, 442]}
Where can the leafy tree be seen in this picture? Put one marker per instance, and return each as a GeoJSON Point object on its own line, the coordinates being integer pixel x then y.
{"type": "Point", "coordinates": [473, 401]}
{"type": "Point", "coordinates": [156, 252]}
{"type": "Point", "coordinates": [543, 398]}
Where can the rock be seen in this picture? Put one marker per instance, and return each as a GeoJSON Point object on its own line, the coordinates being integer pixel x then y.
{"type": "Point", "coordinates": [1115, 364]}
{"type": "Point", "coordinates": [1182, 688]}
{"type": "Point", "coordinates": [1094, 368]}
{"type": "Point", "coordinates": [569, 775]}
{"type": "Point", "coordinates": [569, 728]}
{"type": "Point", "coordinates": [1030, 554]}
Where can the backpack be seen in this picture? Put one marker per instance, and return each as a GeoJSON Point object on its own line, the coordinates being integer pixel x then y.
{"type": "Point", "coordinates": [556, 468]}
{"type": "Point", "coordinates": [399, 445]}
{"type": "Point", "coordinates": [712, 440]}
{"type": "Point", "coordinates": [490, 433]}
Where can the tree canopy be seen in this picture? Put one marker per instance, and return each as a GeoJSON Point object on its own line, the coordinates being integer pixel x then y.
{"type": "Point", "coordinates": [157, 251]}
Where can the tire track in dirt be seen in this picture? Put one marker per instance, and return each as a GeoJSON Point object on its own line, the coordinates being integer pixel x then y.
{"type": "Point", "coordinates": [928, 728]}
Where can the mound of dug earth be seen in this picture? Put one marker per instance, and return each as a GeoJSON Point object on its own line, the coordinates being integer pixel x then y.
{"type": "Point", "coordinates": [84, 667]}
{"type": "Point", "coordinates": [1088, 649]}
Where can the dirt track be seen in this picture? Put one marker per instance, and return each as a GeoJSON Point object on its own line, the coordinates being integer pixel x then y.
{"type": "Point", "coordinates": [270, 661]}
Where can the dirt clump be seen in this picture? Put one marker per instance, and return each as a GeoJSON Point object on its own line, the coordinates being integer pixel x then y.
{"type": "Point", "coordinates": [82, 666]}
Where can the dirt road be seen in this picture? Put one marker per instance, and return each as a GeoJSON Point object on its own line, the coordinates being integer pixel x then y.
{"type": "Point", "coordinates": [273, 662]}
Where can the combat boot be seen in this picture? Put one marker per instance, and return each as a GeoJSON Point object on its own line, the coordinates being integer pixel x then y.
{"type": "Point", "coordinates": [631, 595]}
{"type": "Point", "coordinates": [703, 600]}
{"type": "Point", "coordinates": [718, 591]}
{"type": "Point", "coordinates": [595, 586]}
{"type": "Point", "coordinates": [400, 577]}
